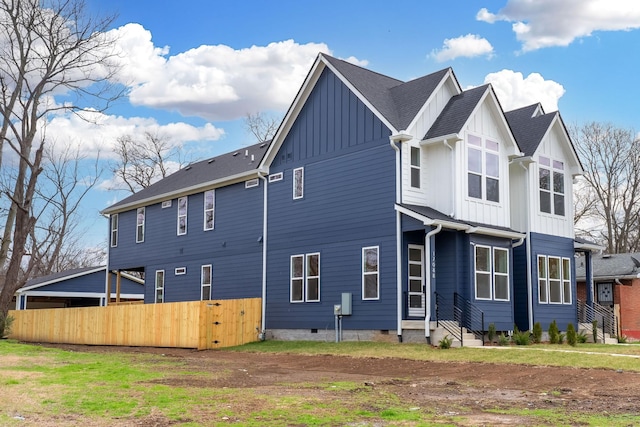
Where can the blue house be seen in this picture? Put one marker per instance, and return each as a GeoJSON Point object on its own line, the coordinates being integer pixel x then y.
{"type": "Point", "coordinates": [414, 205]}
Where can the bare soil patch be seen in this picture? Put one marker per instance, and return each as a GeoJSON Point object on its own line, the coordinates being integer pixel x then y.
{"type": "Point", "coordinates": [442, 387]}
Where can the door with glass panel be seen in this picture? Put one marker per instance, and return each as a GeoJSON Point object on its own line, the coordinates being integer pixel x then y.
{"type": "Point", "coordinates": [415, 294]}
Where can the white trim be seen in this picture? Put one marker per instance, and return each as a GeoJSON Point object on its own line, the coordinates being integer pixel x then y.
{"type": "Point", "coordinates": [77, 294]}
{"type": "Point", "coordinates": [61, 279]}
{"type": "Point", "coordinates": [186, 214]}
{"type": "Point", "coordinates": [275, 177]}
{"type": "Point", "coordinates": [179, 271]}
{"type": "Point", "coordinates": [139, 225]}
{"type": "Point", "coordinates": [251, 183]}
{"type": "Point", "coordinates": [202, 284]}
{"type": "Point", "coordinates": [297, 196]}
{"type": "Point", "coordinates": [292, 278]}
{"type": "Point", "coordinates": [488, 273]}
{"type": "Point", "coordinates": [113, 230]}
{"type": "Point", "coordinates": [155, 286]}
{"type": "Point", "coordinates": [212, 210]}
{"type": "Point", "coordinates": [166, 204]}
{"type": "Point", "coordinates": [364, 273]}
{"type": "Point", "coordinates": [307, 277]}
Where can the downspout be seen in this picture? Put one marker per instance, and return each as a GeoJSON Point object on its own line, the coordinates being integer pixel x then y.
{"type": "Point", "coordinates": [107, 279]}
{"type": "Point", "coordinates": [263, 333]}
{"type": "Point", "coordinates": [427, 299]}
{"type": "Point", "coordinates": [528, 247]}
{"type": "Point", "coordinates": [454, 183]}
{"type": "Point", "coordinates": [398, 244]}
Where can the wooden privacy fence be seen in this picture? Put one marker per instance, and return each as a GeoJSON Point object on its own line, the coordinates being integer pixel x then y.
{"type": "Point", "coordinates": [196, 324]}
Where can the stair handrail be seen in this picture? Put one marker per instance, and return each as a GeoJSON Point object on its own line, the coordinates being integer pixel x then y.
{"type": "Point", "coordinates": [441, 321]}
{"type": "Point", "coordinates": [471, 317]}
{"type": "Point", "coordinates": [606, 317]}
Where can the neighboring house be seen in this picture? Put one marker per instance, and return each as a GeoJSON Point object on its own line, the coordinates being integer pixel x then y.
{"type": "Point", "coordinates": [82, 287]}
{"type": "Point", "coordinates": [409, 201]}
{"type": "Point", "coordinates": [617, 288]}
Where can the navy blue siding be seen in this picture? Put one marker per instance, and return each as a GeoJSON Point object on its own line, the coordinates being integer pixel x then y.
{"type": "Point", "coordinates": [233, 247]}
{"type": "Point", "coordinates": [93, 282]}
{"type": "Point", "coordinates": [349, 194]}
{"type": "Point", "coordinates": [520, 288]}
{"type": "Point", "coordinates": [563, 314]}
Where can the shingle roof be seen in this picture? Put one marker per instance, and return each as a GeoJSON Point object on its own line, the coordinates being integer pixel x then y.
{"type": "Point", "coordinates": [528, 130]}
{"type": "Point", "coordinates": [614, 265]}
{"type": "Point", "coordinates": [397, 101]}
{"type": "Point", "coordinates": [456, 113]}
{"type": "Point", "coordinates": [217, 168]}
{"type": "Point", "coordinates": [62, 275]}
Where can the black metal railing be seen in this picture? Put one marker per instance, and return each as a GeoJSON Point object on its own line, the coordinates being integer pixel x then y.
{"type": "Point", "coordinates": [445, 317]}
{"type": "Point", "coordinates": [469, 316]}
{"type": "Point", "coordinates": [605, 318]}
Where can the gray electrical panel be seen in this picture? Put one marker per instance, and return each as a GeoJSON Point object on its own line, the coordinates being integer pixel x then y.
{"type": "Point", "coordinates": [346, 304]}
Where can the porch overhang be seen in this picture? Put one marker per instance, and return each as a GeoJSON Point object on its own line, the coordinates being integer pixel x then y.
{"type": "Point", "coordinates": [450, 224]}
{"type": "Point", "coordinates": [584, 246]}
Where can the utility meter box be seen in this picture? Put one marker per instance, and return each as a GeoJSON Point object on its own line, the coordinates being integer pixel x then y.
{"type": "Point", "coordinates": [337, 310]}
{"type": "Point", "coordinates": [346, 304]}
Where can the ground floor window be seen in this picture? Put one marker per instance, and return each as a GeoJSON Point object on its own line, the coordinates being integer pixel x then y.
{"type": "Point", "coordinates": [554, 280]}
{"type": "Point", "coordinates": [305, 278]}
{"type": "Point", "coordinates": [370, 273]}
{"type": "Point", "coordinates": [159, 285]}
{"type": "Point", "coordinates": [205, 282]}
{"type": "Point", "coordinates": [491, 273]}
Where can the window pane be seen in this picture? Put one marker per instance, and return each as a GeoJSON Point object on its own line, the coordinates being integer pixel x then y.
{"type": "Point", "coordinates": [159, 295]}
{"type": "Point", "coordinates": [206, 275]}
{"type": "Point", "coordinates": [206, 292]}
{"type": "Point", "coordinates": [415, 270]}
{"type": "Point", "coordinates": [483, 286]}
{"type": "Point", "coordinates": [558, 182]}
{"type": "Point", "coordinates": [312, 265]}
{"type": "Point", "coordinates": [159, 279]}
{"type": "Point", "coordinates": [491, 145]}
{"type": "Point", "coordinates": [545, 179]}
{"type": "Point", "coordinates": [542, 267]}
{"type": "Point", "coordinates": [182, 206]}
{"type": "Point", "coordinates": [415, 177]}
{"type": "Point", "coordinates": [371, 260]}
{"type": "Point", "coordinates": [415, 255]}
{"type": "Point", "coordinates": [296, 266]}
{"type": "Point", "coordinates": [501, 261]}
{"type": "Point", "coordinates": [482, 259]}
{"type": "Point", "coordinates": [554, 268]}
{"type": "Point", "coordinates": [493, 165]}
{"type": "Point", "coordinates": [208, 222]}
{"type": "Point", "coordinates": [558, 204]}
{"type": "Point", "coordinates": [567, 293]}
{"type": "Point", "coordinates": [545, 161]}
{"type": "Point", "coordinates": [475, 186]}
{"type": "Point", "coordinates": [415, 285]}
{"type": "Point", "coordinates": [555, 291]}
{"type": "Point", "coordinates": [182, 225]}
{"type": "Point", "coordinates": [474, 161]}
{"type": "Point", "coordinates": [493, 190]}
{"type": "Point", "coordinates": [415, 156]}
{"type": "Point", "coordinates": [296, 290]}
{"type": "Point", "coordinates": [208, 200]}
{"type": "Point", "coordinates": [313, 290]}
{"type": "Point", "coordinates": [415, 301]}
{"type": "Point", "coordinates": [474, 140]}
{"type": "Point", "coordinates": [298, 183]}
{"type": "Point", "coordinates": [558, 165]}
{"type": "Point", "coordinates": [545, 201]}
{"type": "Point", "coordinates": [371, 286]}
{"type": "Point", "coordinates": [502, 287]}
{"type": "Point", "coordinates": [566, 269]}
{"type": "Point", "coordinates": [542, 285]}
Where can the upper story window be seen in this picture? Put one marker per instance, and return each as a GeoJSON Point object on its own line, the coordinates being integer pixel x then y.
{"type": "Point", "coordinates": [209, 205]}
{"type": "Point", "coordinates": [554, 280]}
{"type": "Point", "coordinates": [415, 167]}
{"type": "Point", "coordinates": [551, 174]}
{"type": "Point", "coordinates": [140, 225]}
{"type": "Point", "coordinates": [251, 183]}
{"type": "Point", "coordinates": [114, 230]}
{"type": "Point", "coordinates": [483, 168]}
{"type": "Point", "coordinates": [492, 273]}
{"type": "Point", "coordinates": [182, 215]}
{"type": "Point", "coordinates": [159, 286]}
{"type": "Point", "coordinates": [305, 278]}
{"type": "Point", "coordinates": [298, 183]}
{"type": "Point", "coordinates": [370, 273]}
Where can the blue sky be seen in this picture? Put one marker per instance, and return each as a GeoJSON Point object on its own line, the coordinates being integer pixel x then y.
{"type": "Point", "coordinates": [195, 68]}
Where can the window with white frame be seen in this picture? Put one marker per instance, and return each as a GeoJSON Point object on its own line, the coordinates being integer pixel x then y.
{"type": "Point", "coordinates": [251, 183]}
{"type": "Point", "coordinates": [166, 204]}
{"type": "Point", "coordinates": [415, 167]}
{"type": "Point", "coordinates": [205, 282]}
{"type": "Point", "coordinates": [159, 285]}
{"type": "Point", "coordinates": [114, 230]}
{"type": "Point", "coordinates": [305, 278]}
{"type": "Point", "coordinates": [551, 181]}
{"type": "Point", "coordinates": [370, 273]}
{"type": "Point", "coordinates": [209, 204]}
{"type": "Point", "coordinates": [140, 225]}
{"type": "Point", "coordinates": [182, 216]}
{"type": "Point", "coordinates": [554, 280]}
{"type": "Point", "coordinates": [483, 168]}
{"type": "Point", "coordinates": [274, 177]}
{"type": "Point", "coordinates": [491, 273]}
{"type": "Point", "coordinates": [298, 183]}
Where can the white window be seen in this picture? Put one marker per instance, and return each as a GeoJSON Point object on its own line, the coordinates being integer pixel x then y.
{"type": "Point", "coordinates": [205, 282]}
{"type": "Point", "coordinates": [370, 273]}
{"type": "Point", "coordinates": [483, 168]}
{"type": "Point", "coordinates": [298, 183]}
{"type": "Point", "coordinates": [551, 181]}
{"type": "Point", "coordinates": [275, 177]}
{"type": "Point", "coordinates": [114, 230]}
{"type": "Point", "coordinates": [140, 225]}
{"type": "Point", "coordinates": [166, 204]}
{"type": "Point", "coordinates": [159, 285]}
{"type": "Point", "coordinates": [182, 216]}
{"type": "Point", "coordinates": [209, 205]}
{"type": "Point", "coordinates": [554, 280]}
{"type": "Point", "coordinates": [491, 273]}
{"type": "Point", "coordinates": [179, 271]}
{"type": "Point", "coordinates": [305, 278]}
{"type": "Point", "coordinates": [251, 183]}
{"type": "Point", "coordinates": [415, 167]}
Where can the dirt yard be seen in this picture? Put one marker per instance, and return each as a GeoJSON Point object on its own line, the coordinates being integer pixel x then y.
{"type": "Point", "coordinates": [439, 386]}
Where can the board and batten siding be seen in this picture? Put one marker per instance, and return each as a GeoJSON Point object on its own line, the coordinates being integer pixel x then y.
{"type": "Point", "coordinates": [348, 204]}
{"type": "Point", "coordinates": [521, 198]}
{"type": "Point", "coordinates": [233, 247]}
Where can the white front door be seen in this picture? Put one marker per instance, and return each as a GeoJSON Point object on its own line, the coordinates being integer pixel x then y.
{"type": "Point", "coordinates": [416, 281]}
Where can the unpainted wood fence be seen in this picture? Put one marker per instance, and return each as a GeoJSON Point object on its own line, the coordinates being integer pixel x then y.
{"type": "Point", "coordinates": [197, 324]}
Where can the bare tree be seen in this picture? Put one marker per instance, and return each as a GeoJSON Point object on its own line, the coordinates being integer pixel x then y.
{"type": "Point", "coordinates": [262, 125]}
{"type": "Point", "coordinates": [142, 161]}
{"type": "Point", "coordinates": [47, 48]}
{"type": "Point", "coordinates": [611, 159]}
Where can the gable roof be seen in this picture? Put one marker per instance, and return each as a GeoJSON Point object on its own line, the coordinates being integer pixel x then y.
{"type": "Point", "coordinates": [235, 166]}
{"type": "Point", "coordinates": [529, 128]}
{"type": "Point", "coordinates": [613, 266]}
{"type": "Point", "coordinates": [456, 113]}
{"type": "Point", "coordinates": [61, 276]}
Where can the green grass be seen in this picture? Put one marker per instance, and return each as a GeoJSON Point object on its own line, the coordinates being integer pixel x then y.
{"type": "Point", "coordinates": [101, 388]}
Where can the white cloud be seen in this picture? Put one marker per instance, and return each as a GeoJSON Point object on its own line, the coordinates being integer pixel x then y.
{"type": "Point", "coordinates": [214, 82]}
{"type": "Point", "coordinates": [468, 46]}
{"type": "Point", "coordinates": [515, 91]}
{"type": "Point", "coordinates": [99, 132]}
{"type": "Point", "coordinates": [544, 23]}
